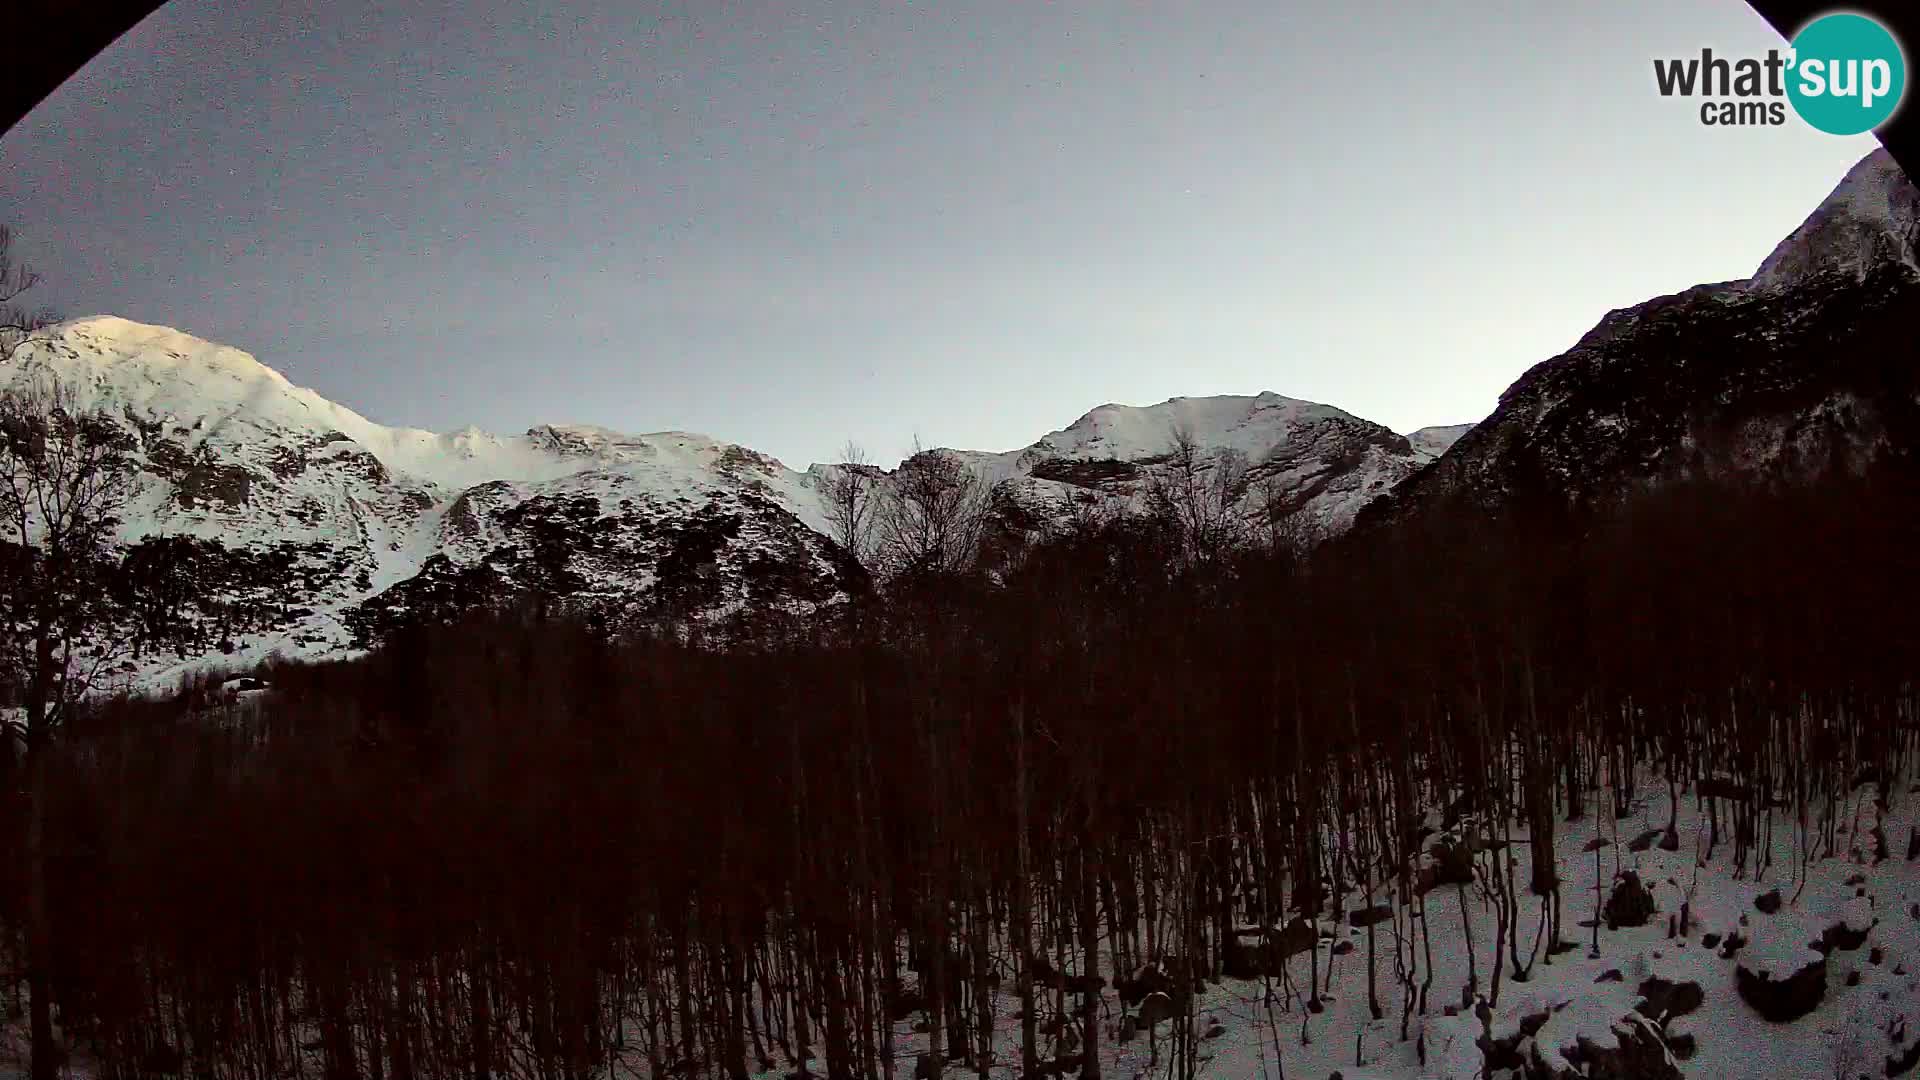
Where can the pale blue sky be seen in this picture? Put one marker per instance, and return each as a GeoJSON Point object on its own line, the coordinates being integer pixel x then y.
{"type": "Point", "coordinates": [792, 223]}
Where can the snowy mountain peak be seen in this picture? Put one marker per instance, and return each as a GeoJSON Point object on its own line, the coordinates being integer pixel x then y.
{"type": "Point", "coordinates": [108, 351]}
{"type": "Point", "coordinates": [1436, 440]}
{"type": "Point", "coordinates": [1250, 424]}
{"type": "Point", "coordinates": [117, 340]}
{"type": "Point", "coordinates": [1872, 215]}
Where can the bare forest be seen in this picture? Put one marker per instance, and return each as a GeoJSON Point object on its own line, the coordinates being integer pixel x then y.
{"type": "Point", "coordinates": [1131, 756]}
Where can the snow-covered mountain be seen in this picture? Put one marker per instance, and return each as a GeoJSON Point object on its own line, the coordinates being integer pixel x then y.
{"type": "Point", "coordinates": [1437, 440]}
{"type": "Point", "coordinates": [314, 529]}
{"type": "Point", "coordinates": [1810, 362]}
{"type": "Point", "coordinates": [1296, 456]}
{"type": "Point", "coordinates": [319, 527]}
{"type": "Point", "coordinates": [303, 526]}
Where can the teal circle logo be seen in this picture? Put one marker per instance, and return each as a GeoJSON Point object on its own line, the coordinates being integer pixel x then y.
{"type": "Point", "coordinates": [1848, 74]}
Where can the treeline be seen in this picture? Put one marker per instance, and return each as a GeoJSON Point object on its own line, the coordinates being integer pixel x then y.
{"type": "Point", "coordinates": [520, 848]}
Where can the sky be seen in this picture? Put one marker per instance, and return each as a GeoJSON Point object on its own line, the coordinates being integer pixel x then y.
{"type": "Point", "coordinates": [792, 224]}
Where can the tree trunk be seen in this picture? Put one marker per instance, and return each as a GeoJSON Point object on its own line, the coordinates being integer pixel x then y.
{"type": "Point", "coordinates": [46, 1055]}
{"type": "Point", "coordinates": [1023, 901]}
{"type": "Point", "coordinates": [1090, 961]}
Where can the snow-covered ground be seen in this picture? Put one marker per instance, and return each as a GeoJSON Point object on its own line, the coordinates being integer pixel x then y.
{"type": "Point", "coordinates": [1872, 991]}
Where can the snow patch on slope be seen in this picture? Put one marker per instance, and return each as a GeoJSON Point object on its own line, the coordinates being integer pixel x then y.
{"type": "Point", "coordinates": [1436, 440]}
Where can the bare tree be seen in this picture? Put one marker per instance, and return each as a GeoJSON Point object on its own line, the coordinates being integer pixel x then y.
{"type": "Point", "coordinates": [64, 479]}
{"type": "Point", "coordinates": [848, 490]}
{"type": "Point", "coordinates": [18, 323]}
{"type": "Point", "coordinates": [931, 516]}
{"type": "Point", "coordinates": [1285, 528]}
{"type": "Point", "coordinates": [1198, 499]}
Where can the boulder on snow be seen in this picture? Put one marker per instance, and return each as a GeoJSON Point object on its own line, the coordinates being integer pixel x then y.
{"type": "Point", "coordinates": [1162, 976]}
{"type": "Point", "coordinates": [1768, 902]}
{"type": "Point", "coordinates": [1842, 936]}
{"type": "Point", "coordinates": [1661, 1000]}
{"type": "Point", "coordinates": [1446, 864]}
{"type": "Point", "coordinates": [1250, 952]}
{"type": "Point", "coordinates": [1856, 920]}
{"type": "Point", "coordinates": [1631, 1048]}
{"type": "Point", "coordinates": [1721, 787]}
{"type": "Point", "coordinates": [1155, 1008]}
{"type": "Point", "coordinates": [1247, 955]}
{"type": "Point", "coordinates": [1060, 1066]}
{"type": "Point", "coordinates": [1905, 1054]}
{"type": "Point", "coordinates": [1370, 916]}
{"type": "Point", "coordinates": [1507, 1049]}
{"type": "Point", "coordinates": [1783, 1000]}
{"type": "Point", "coordinates": [904, 1002]}
{"type": "Point", "coordinates": [1631, 903]}
{"type": "Point", "coordinates": [1450, 1046]}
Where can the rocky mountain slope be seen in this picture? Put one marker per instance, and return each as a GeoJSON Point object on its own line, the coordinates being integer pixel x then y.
{"type": "Point", "coordinates": [1808, 364]}
{"type": "Point", "coordinates": [270, 519]}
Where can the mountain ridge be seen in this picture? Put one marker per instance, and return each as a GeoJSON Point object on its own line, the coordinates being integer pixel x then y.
{"type": "Point", "coordinates": [318, 529]}
{"type": "Point", "coordinates": [1775, 376]}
